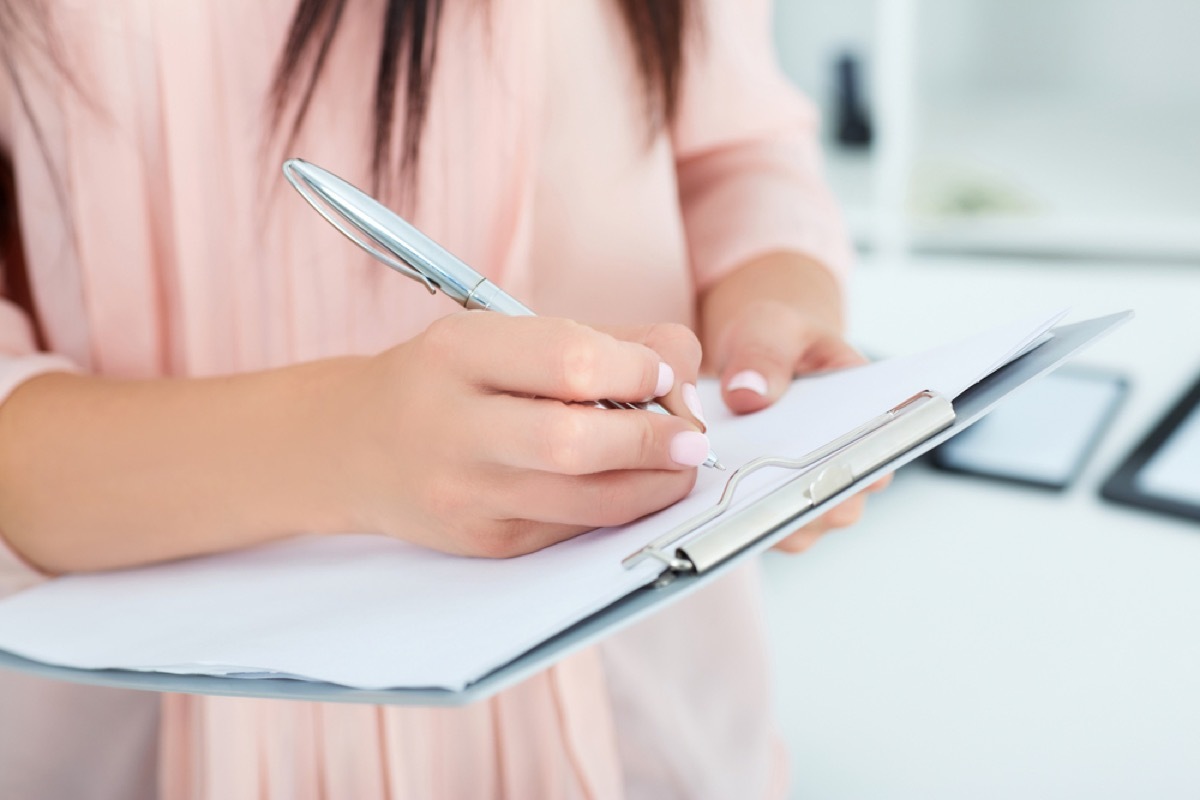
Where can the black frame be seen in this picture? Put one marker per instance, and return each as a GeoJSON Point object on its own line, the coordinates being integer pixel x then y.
{"type": "Point", "coordinates": [1121, 487]}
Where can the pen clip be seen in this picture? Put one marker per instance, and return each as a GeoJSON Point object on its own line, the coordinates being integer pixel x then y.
{"type": "Point", "coordinates": [334, 213]}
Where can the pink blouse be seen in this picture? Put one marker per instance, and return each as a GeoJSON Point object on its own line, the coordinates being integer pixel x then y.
{"type": "Point", "coordinates": [161, 241]}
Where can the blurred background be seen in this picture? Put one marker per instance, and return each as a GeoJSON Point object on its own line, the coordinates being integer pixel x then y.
{"type": "Point", "coordinates": [1030, 127]}
{"type": "Point", "coordinates": [972, 637]}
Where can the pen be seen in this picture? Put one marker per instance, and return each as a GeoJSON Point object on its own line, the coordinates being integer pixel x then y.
{"type": "Point", "coordinates": [390, 239]}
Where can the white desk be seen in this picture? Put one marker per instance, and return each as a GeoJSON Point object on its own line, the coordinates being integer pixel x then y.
{"type": "Point", "coordinates": [971, 639]}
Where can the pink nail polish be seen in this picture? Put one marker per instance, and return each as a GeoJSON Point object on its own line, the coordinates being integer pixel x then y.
{"type": "Point", "coordinates": [666, 379]}
{"type": "Point", "coordinates": [749, 380]}
{"type": "Point", "coordinates": [689, 448]}
{"type": "Point", "coordinates": [691, 399]}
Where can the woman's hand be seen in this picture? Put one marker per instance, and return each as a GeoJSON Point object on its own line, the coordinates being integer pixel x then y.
{"type": "Point", "coordinates": [772, 320]}
{"type": "Point", "coordinates": [475, 437]}
{"type": "Point", "coordinates": [767, 345]}
{"type": "Point", "coordinates": [482, 436]}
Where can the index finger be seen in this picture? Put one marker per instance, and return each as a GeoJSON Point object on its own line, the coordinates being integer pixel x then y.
{"type": "Point", "coordinates": [546, 357]}
{"type": "Point", "coordinates": [680, 348]}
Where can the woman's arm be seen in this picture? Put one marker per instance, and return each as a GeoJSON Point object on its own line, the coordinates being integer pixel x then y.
{"type": "Point", "coordinates": [101, 473]}
{"type": "Point", "coordinates": [447, 440]}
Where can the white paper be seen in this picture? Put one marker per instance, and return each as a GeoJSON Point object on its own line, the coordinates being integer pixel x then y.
{"type": "Point", "coordinates": [371, 612]}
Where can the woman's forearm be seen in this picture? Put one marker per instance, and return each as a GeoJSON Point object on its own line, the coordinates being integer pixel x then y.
{"type": "Point", "coordinates": [98, 473]}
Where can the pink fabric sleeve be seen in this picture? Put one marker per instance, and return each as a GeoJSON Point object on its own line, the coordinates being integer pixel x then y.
{"type": "Point", "coordinates": [20, 361]}
{"type": "Point", "coordinates": [747, 151]}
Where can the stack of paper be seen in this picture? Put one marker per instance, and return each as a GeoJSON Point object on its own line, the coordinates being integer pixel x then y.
{"type": "Point", "coordinates": [370, 612]}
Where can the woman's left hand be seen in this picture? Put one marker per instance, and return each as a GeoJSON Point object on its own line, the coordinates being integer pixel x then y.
{"type": "Point", "coordinates": [764, 346]}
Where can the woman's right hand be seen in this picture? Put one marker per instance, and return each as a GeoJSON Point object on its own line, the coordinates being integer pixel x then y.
{"type": "Point", "coordinates": [475, 437]}
{"type": "Point", "coordinates": [480, 436]}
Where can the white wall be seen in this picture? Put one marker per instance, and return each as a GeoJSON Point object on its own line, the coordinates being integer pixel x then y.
{"type": "Point", "coordinates": [1143, 50]}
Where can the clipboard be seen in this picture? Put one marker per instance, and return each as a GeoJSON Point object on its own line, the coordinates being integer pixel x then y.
{"type": "Point", "coordinates": [883, 445]}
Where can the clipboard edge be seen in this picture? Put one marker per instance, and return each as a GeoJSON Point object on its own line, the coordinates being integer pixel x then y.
{"type": "Point", "coordinates": [971, 405]}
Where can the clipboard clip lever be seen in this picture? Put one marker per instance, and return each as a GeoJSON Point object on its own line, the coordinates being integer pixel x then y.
{"type": "Point", "coordinates": [710, 538]}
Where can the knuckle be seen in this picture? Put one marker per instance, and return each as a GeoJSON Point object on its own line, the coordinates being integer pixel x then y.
{"type": "Point", "coordinates": [611, 506]}
{"type": "Point", "coordinates": [844, 515]}
{"type": "Point", "coordinates": [578, 365]}
{"type": "Point", "coordinates": [792, 544]}
{"type": "Point", "coordinates": [443, 337]}
{"type": "Point", "coordinates": [849, 516]}
{"type": "Point", "coordinates": [676, 340]}
{"type": "Point", "coordinates": [803, 541]}
{"type": "Point", "coordinates": [646, 446]}
{"type": "Point", "coordinates": [815, 528]}
{"type": "Point", "coordinates": [564, 441]}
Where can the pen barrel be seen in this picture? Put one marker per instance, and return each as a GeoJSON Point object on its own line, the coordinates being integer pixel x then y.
{"type": "Point", "coordinates": [488, 296]}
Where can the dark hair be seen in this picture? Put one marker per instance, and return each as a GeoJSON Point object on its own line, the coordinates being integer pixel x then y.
{"type": "Point", "coordinates": [409, 50]}
{"type": "Point", "coordinates": [23, 24]}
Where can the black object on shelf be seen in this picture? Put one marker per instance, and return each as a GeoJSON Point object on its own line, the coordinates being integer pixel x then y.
{"type": "Point", "coordinates": [851, 119]}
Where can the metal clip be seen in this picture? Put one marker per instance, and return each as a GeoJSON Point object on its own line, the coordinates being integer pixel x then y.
{"type": "Point", "coordinates": [337, 214]}
{"type": "Point", "coordinates": [823, 474]}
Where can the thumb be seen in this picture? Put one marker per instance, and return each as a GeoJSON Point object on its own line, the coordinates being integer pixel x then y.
{"type": "Point", "coordinates": [752, 383]}
{"type": "Point", "coordinates": [759, 359]}
{"type": "Point", "coordinates": [763, 350]}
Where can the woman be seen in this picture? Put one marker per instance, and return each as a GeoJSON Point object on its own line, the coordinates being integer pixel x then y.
{"type": "Point", "coordinates": [207, 366]}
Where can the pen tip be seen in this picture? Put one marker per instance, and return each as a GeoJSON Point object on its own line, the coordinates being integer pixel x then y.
{"type": "Point", "coordinates": [718, 465]}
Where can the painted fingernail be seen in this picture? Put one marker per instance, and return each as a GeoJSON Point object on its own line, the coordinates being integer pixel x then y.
{"type": "Point", "coordinates": [750, 380]}
{"type": "Point", "coordinates": [689, 448]}
{"type": "Point", "coordinates": [666, 379]}
{"type": "Point", "coordinates": [691, 399]}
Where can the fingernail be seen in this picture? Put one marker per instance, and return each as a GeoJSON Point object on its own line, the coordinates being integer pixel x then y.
{"type": "Point", "coordinates": [691, 399]}
{"type": "Point", "coordinates": [689, 448]}
{"type": "Point", "coordinates": [666, 379]}
{"type": "Point", "coordinates": [750, 380]}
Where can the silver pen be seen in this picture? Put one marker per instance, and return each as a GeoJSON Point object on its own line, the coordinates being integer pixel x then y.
{"type": "Point", "coordinates": [390, 239]}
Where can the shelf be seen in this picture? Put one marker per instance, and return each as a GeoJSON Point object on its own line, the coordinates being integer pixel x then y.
{"type": "Point", "coordinates": [1054, 176]}
{"type": "Point", "coordinates": [997, 136]}
{"type": "Point", "coordinates": [1037, 177]}
{"type": "Point", "coordinates": [852, 175]}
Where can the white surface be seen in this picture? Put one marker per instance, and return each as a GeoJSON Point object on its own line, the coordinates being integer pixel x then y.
{"type": "Point", "coordinates": [970, 639]}
{"type": "Point", "coordinates": [355, 610]}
